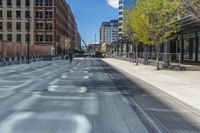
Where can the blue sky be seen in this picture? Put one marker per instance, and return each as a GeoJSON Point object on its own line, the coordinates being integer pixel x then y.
{"type": "Point", "coordinates": [90, 14]}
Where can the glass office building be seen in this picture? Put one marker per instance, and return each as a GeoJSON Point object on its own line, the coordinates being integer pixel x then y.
{"type": "Point", "coordinates": [123, 5]}
{"type": "Point", "coordinates": [129, 3]}
{"type": "Point", "coordinates": [188, 40]}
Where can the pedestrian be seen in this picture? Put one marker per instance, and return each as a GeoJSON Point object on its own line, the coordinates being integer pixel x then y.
{"type": "Point", "coordinates": [131, 56]}
{"type": "Point", "coordinates": [70, 57]}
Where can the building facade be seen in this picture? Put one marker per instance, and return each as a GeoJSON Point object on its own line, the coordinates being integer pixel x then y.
{"type": "Point", "coordinates": [50, 19]}
{"type": "Point", "coordinates": [187, 41]}
{"type": "Point", "coordinates": [109, 32]}
{"type": "Point", "coordinates": [53, 19]}
{"type": "Point", "coordinates": [122, 46]}
{"type": "Point", "coordinates": [124, 5]}
{"type": "Point", "coordinates": [13, 20]}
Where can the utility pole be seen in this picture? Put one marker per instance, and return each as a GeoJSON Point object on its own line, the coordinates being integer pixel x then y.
{"type": "Point", "coordinates": [95, 38]}
{"type": "Point", "coordinates": [28, 39]}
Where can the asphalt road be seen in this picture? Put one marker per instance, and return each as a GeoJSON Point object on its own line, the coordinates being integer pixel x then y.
{"type": "Point", "coordinates": [87, 96]}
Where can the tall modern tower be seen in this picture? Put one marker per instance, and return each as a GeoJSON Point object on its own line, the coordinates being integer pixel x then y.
{"type": "Point", "coordinates": [123, 6]}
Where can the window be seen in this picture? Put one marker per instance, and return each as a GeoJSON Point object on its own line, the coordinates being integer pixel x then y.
{"type": "Point", "coordinates": [48, 38]}
{"type": "Point", "coordinates": [48, 14]}
{"type": "Point", "coordinates": [9, 3]}
{"type": "Point", "coordinates": [1, 14]}
{"type": "Point", "coordinates": [39, 26]}
{"type": "Point", "coordinates": [27, 3]}
{"type": "Point", "coordinates": [1, 4]}
{"type": "Point", "coordinates": [27, 14]}
{"type": "Point", "coordinates": [39, 14]}
{"type": "Point", "coordinates": [27, 37]}
{"type": "Point", "coordinates": [9, 26]}
{"type": "Point", "coordinates": [1, 25]}
{"type": "Point", "coordinates": [9, 14]}
{"type": "Point", "coordinates": [19, 38]}
{"type": "Point", "coordinates": [18, 3]}
{"type": "Point", "coordinates": [48, 26]}
{"type": "Point", "coordinates": [39, 2]}
{"type": "Point", "coordinates": [39, 38]}
{"type": "Point", "coordinates": [1, 37]}
{"type": "Point", "coordinates": [18, 26]}
{"type": "Point", "coordinates": [48, 3]}
{"type": "Point", "coordinates": [18, 14]}
{"type": "Point", "coordinates": [9, 37]}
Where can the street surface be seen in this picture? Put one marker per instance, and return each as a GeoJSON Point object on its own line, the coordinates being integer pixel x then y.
{"type": "Point", "coordinates": [87, 96]}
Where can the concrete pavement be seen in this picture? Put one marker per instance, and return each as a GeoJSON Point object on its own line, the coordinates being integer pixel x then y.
{"type": "Point", "coordinates": [182, 85]}
{"type": "Point", "coordinates": [87, 96]}
{"type": "Point", "coordinates": [56, 97]}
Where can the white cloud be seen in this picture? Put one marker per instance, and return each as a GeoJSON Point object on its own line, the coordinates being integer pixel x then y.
{"type": "Point", "coordinates": [113, 3]}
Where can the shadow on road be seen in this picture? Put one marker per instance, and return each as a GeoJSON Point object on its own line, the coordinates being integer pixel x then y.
{"type": "Point", "coordinates": [158, 111]}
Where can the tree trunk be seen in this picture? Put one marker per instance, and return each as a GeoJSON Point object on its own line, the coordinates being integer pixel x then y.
{"type": "Point", "coordinates": [157, 58]}
{"type": "Point", "coordinates": [136, 53]}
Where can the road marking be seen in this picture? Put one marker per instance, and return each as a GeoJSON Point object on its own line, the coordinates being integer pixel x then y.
{"type": "Point", "coordinates": [7, 126]}
{"type": "Point", "coordinates": [24, 104]}
{"type": "Point", "coordinates": [65, 97]}
{"type": "Point", "coordinates": [4, 95]}
{"type": "Point", "coordinates": [55, 81]}
{"type": "Point", "coordinates": [7, 87]}
{"type": "Point", "coordinates": [83, 125]}
{"type": "Point", "coordinates": [83, 89]}
{"type": "Point", "coordinates": [74, 68]}
{"type": "Point", "coordinates": [52, 87]}
{"type": "Point", "coordinates": [85, 71]}
{"type": "Point", "coordinates": [64, 76]}
{"type": "Point", "coordinates": [91, 107]}
{"type": "Point", "coordinates": [86, 77]}
{"type": "Point", "coordinates": [71, 71]}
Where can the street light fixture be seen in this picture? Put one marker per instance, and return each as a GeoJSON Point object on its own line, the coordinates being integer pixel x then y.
{"type": "Point", "coordinates": [28, 31]}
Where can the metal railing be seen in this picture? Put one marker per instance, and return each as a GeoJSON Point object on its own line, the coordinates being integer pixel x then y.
{"type": "Point", "coordinates": [166, 60]}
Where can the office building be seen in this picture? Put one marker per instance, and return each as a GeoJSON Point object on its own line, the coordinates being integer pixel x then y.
{"type": "Point", "coordinates": [122, 46]}
{"type": "Point", "coordinates": [109, 32]}
{"type": "Point", "coordinates": [123, 6]}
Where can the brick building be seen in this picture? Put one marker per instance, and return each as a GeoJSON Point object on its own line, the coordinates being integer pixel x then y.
{"type": "Point", "coordinates": [53, 19]}
{"type": "Point", "coordinates": [50, 19]}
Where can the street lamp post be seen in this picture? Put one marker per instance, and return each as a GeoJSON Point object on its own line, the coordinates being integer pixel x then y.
{"type": "Point", "coordinates": [28, 39]}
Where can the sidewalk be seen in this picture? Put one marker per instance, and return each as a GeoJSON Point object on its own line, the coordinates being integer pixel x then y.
{"type": "Point", "coordinates": [183, 85]}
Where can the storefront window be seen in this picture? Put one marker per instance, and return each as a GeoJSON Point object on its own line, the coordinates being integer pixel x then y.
{"type": "Point", "coordinates": [198, 45]}
{"type": "Point", "coordinates": [193, 47]}
{"type": "Point", "coordinates": [178, 47]}
{"type": "Point", "coordinates": [189, 46]}
{"type": "Point", "coordinates": [186, 49]}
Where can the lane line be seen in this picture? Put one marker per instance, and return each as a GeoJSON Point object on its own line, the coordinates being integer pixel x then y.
{"type": "Point", "coordinates": [24, 104]}
{"type": "Point", "coordinates": [55, 81]}
{"type": "Point", "coordinates": [83, 125]}
{"type": "Point", "coordinates": [7, 126]}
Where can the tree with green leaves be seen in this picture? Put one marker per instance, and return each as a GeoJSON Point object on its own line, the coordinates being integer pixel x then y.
{"type": "Point", "coordinates": [154, 22]}
{"type": "Point", "coordinates": [129, 31]}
